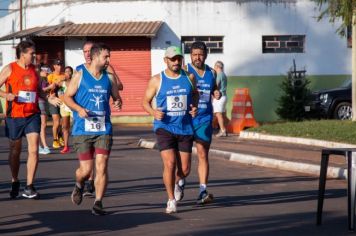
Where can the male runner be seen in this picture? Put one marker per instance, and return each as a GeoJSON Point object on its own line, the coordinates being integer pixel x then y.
{"type": "Point", "coordinates": [202, 123]}
{"type": "Point", "coordinates": [88, 95]}
{"type": "Point", "coordinates": [89, 187]}
{"type": "Point", "coordinates": [23, 114]}
{"type": "Point", "coordinates": [176, 99]}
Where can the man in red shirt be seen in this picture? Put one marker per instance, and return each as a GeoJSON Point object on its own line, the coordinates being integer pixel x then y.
{"type": "Point", "coordinates": [23, 114]}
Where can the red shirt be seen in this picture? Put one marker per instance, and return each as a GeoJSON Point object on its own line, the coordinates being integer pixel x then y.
{"type": "Point", "coordinates": [24, 84]}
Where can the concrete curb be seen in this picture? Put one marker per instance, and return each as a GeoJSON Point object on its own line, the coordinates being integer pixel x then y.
{"type": "Point", "coordinates": [304, 141]}
{"type": "Point", "coordinates": [305, 168]}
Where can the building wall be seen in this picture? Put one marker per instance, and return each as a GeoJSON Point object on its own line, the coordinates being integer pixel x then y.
{"type": "Point", "coordinates": [242, 26]}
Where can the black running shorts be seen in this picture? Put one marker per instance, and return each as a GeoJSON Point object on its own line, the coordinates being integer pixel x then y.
{"type": "Point", "coordinates": [166, 140]}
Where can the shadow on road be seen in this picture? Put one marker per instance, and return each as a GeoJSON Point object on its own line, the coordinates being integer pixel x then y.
{"type": "Point", "coordinates": [79, 222]}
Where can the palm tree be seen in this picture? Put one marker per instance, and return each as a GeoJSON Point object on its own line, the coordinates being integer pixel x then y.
{"type": "Point", "coordinates": [346, 11]}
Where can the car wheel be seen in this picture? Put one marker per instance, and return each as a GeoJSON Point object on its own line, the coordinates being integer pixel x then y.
{"type": "Point", "coordinates": [343, 111]}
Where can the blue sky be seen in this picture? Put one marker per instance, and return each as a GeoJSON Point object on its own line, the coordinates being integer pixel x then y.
{"type": "Point", "coordinates": [4, 4]}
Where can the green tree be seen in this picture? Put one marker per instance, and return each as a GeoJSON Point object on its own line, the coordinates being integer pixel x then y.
{"type": "Point", "coordinates": [294, 98]}
{"type": "Point", "coordinates": [345, 10]}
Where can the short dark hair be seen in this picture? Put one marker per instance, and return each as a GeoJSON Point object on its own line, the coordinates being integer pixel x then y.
{"type": "Point", "coordinates": [198, 45]}
{"type": "Point", "coordinates": [23, 47]}
{"type": "Point", "coordinates": [88, 42]}
{"type": "Point", "coordinates": [70, 68]}
{"type": "Point", "coordinates": [97, 48]}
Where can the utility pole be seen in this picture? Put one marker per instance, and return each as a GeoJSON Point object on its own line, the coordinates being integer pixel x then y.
{"type": "Point", "coordinates": [20, 15]}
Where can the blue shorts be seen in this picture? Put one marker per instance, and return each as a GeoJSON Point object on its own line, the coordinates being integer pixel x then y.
{"type": "Point", "coordinates": [15, 128]}
{"type": "Point", "coordinates": [203, 133]}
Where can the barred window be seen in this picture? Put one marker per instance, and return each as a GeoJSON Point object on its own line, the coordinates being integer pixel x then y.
{"type": "Point", "coordinates": [214, 44]}
{"type": "Point", "coordinates": [283, 44]}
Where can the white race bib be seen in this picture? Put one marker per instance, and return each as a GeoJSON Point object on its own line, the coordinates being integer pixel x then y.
{"type": "Point", "coordinates": [95, 124]}
{"type": "Point", "coordinates": [26, 97]}
{"type": "Point", "coordinates": [204, 96]}
{"type": "Point", "coordinates": [177, 103]}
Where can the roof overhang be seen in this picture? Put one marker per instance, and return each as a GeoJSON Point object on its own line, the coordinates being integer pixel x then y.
{"type": "Point", "coordinates": [69, 29]}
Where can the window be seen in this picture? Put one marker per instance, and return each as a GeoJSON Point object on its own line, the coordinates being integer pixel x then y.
{"type": "Point", "coordinates": [1, 59]}
{"type": "Point", "coordinates": [214, 44]}
{"type": "Point", "coordinates": [283, 44]}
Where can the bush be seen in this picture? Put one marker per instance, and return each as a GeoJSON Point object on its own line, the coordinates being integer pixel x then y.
{"type": "Point", "coordinates": [294, 98]}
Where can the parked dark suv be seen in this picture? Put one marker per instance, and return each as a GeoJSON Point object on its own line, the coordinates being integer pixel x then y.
{"type": "Point", "coordinates": [332, 103]}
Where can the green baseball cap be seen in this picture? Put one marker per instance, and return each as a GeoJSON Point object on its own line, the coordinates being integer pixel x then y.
{"type": "Point", "coordinates": [173, 51]}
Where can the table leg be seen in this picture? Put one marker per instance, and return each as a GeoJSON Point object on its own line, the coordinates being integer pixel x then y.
{"type": "Point", "coordinates": [322, 181]}
{"type": "Point", "coordinates": [351, 182]}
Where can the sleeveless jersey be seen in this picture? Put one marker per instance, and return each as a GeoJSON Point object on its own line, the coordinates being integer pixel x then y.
{"type": "Point", "coordinates": [174, 98]}
{"type": "Point", "coordinates": [23, 83]}
{"type": "Point", "coordinates": [205, 86]}
{"type": "Point", "coordinates": [80, 67]}
{"type": "Point", "coordinates": [93, 95]}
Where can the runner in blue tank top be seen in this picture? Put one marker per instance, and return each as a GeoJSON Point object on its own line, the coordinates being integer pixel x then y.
{"type": "Point", "coordinates": [202, 123]}
{"type": "Point", "coordinates": [176, 99]}
{"type": "Point", "coordinates": [89, 186]}
{"type": "Point", "coordinates": [88, 96]}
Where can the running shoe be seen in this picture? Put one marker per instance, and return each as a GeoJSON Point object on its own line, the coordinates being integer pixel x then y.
{"type": "Point", "coordinates": [61, 141]}
{"type": "Point", "coordinates": [47, 150]}
{"type": "Point", "coordinates": [30, 192]}
{"type": "Point", "coordinates": [204, 198]}
{"type": "Point", "coordinates": [65, 150]}
{"type": "Point", "coordinates": [77, 195]}
{"type": "Point", "coordinates": [179, 192]}
{"type": "Point", "coordinates": [171, 206]}
{"type": "Point", "coordinates": [56, 144]}
{"type": "Point", "coordinates": [41, 150]}
{"type": "Point", "coordinates": [44, 150]}
{"type": "Point", "coordinates": [221, 134]}
{"type": "Point", "coordinates": [98, 209]}
{"type": "Point", "coordinates": [15, 189]}
{"type": "Point", "coordinates": [89, 189]}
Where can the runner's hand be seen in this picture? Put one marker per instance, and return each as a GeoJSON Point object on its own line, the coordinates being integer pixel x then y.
{"type": "Point", "coordinates": [118, 104]}
{"type": "Point", "coordinates": [193, 111]}
{"type": "Point", "coordinates": [10, 97]}
{"type": "Point", "coordinates": [158, 114]}
{"type": "Point", "coordinates": [83, 113]}
{"type": "Point", "coordinates": [54, 101]}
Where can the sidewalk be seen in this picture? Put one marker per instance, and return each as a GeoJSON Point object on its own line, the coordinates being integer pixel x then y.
{"type": "Point", "coordinates": [258, 151]}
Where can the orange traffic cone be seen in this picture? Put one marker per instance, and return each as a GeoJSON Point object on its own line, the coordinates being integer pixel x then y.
{"type": "Point", "coordinates": [242, 113]}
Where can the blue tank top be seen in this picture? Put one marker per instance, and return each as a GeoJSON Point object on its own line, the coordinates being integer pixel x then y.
{"type": "Point", "coordinates": [80, 67]}
{"type": "Point", "coordinates": [174, 98]}
{"type": "Point", "coordinates": [205, 86]}
{"type": "Point", "coordinates": [93, 95]}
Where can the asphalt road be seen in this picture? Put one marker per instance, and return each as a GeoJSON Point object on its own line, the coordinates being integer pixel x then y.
{"type": "Point", "coordinates": [249, 200]}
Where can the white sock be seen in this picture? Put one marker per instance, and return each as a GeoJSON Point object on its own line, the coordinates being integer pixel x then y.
{"type": "Point", "coordinates": [202, 187]}
{"type": "Point", "coordinates": [181, 182]}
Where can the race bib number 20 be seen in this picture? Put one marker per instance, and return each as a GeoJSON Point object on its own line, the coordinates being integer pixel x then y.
{"type": "Point", "coordinates": [95, 124]}
{"type": "Point", "coordinates": [177, 103]}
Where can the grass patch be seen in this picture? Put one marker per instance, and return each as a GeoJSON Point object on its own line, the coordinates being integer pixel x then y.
{"type": "Point", "coordinates": [329, 130]}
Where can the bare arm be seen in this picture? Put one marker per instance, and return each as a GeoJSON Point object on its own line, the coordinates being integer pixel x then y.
{"type": "Point", "coordinates": [4, 74]}
{"type": "Point", "coordinates": [115, 92]}
{"type": "Point", "coordinates": [71, 91]}
{"type": "Point", "coordinates": [151, 91]}
{"type": "Point", "coordinates": [111, 71]}
{"type": "Point", "coordinates": [195, 96]}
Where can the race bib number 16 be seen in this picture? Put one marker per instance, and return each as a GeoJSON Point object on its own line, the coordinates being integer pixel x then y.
{"type": "Point", "coordinates": [177, 103]}
{"type": "Point", "coordinates": [95, 124]}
